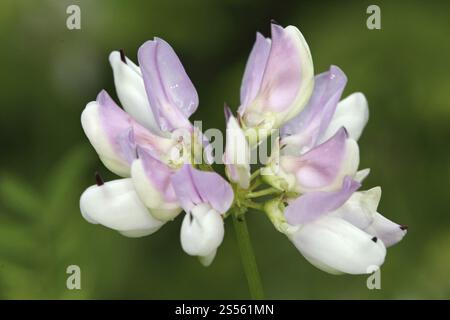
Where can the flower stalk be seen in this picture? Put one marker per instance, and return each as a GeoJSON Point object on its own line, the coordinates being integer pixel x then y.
{"type": "Point", "coordinates": [262, 193]}
{"type": "Point", "coordinates": [247, 256]}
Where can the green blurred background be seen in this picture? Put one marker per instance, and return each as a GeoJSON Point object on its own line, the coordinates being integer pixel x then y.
{"type": "Point", "coordinates": [49, 73]}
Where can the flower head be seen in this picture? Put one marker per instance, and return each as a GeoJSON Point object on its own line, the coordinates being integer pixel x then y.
{"type": "Point", "coordinates": [312, 174]}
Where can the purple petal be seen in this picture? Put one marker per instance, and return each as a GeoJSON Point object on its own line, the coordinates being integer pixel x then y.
{"type": "Point", "coordinates": [388, 231]}
{"type": "Point", "coordinates": [254, 71]}
{"type": "Point", "coordinates": [312, 205]}
{"type": "Point", "coordinates": [123, 131]}
{"type": "Point", "coordinates": [127, 144]}
{"type": "Point", "coordinates": [319, 167]}
{"type": "Point", "coordinates": [117, 125]}
{"type": "Point", "coordinates": [171, 93]}
{"type": "Point", "coordinates": [213, 189]}
{"type": "Point", "coordinates": [194, 187]}
{"type": "Point", "coordinates": [185, 189]}
{"type": "Point", "coordinates": [158, 173]}
{"type": "Point", "coordinates": [282, 75]}
{"type": "Point", "coordinates": [313, 121]}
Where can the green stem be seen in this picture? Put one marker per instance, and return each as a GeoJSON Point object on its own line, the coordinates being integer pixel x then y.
{"type": "Point", "coordinates": [262, 193]}
{"type": "Point", "coordinates": [254, 205]}
{"type": "Point", "coordinates": [255, 174]}
{"type": "Point", "coordinates": [248, 257]}
{"type": "Point", "coordinates": [255, 184]}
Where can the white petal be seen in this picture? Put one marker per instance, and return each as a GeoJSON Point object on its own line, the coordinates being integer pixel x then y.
{"type": "Point", "coordinates": [351, 113]}
{"type": "Point", "coordinates": [360, 208]}
{"type": "Point", "coordinates": [207, 260]}
{"type": "Point", "coordinates": [116, 205]}
{"type": "Point", "coordinates": [361, 211]}
{"type": "Point", "coordinates": [237, 154]}
{"type": "Point", "coordinates": [151, 195]}
{"type": "Point", "coordinates": [202, 231]}
{"type": "Point", "coordinates": [131, 91]}
{"type": "Point", "coordinates": [361, 175]}
{"type": "Point", "coordinates": [307, 85]}
{"type": "Point", "coordinates": [92, 126]}
{"type": "Point", "coordinates": [336, 246]}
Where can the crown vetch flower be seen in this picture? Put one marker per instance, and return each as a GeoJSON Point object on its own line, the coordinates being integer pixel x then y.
{"type": "Point", "coordinates": [315, 154]}
{"type": "Point", "coordinates": [278, 80]}
{"type": "Point", "coordinates": [142, 143]}
{"type": "Point", "coordinates": [350, 237]}
{"type": "Point", "coordinates": [205, 197]}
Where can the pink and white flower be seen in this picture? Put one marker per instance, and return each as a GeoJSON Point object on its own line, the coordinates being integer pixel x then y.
{"type": "Point", "coordinates": [278, 80]}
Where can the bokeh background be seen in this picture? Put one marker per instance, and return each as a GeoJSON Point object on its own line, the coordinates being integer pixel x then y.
{"type": "Point", "coordinates": [49, 73]}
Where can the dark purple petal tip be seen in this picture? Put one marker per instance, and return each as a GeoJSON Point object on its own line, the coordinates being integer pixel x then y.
{"type": "Point", "coordinates": [98, 179]}
{"type": "Point", "coordinates": [122, 56]}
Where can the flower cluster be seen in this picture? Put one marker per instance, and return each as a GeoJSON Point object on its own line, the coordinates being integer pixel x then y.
{"type": "Point", "coordinates": [308, 188]}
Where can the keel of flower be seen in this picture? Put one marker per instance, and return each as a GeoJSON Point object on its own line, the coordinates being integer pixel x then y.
{"type": "Point", "coordinates": [152, 180]}
{"type": "Point", "coordinates": [202, 233]}
{"type": "Point", "coordinates": [116, 205]}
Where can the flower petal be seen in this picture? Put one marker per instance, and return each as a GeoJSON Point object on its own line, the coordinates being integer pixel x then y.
{"type": "Point", "coordinates": [207, 260]}
{"type": "Point", "coordinates": [361, 175]}
{"type": "Point", "coordinates": [194, 187]}
{"type": "Point", "coordinates": [114, 134]}
{"type": "Point", "coordinates": [284, 74]}
{"type": "Point", "coordinates": [336, 246]}
{"type": "Point", "coordinates": [254, 70]}
{"type": "Point", "coordinates": [202, 231]}
{"type": "Point", "coordinates": [116, 205]}
{"type": "Point", "coordinates": [185, 189]}
{"type": "Point", "coordinates": [388, 231]}
{"type": "Point", "coordinates": [361, 211]}
{"type": "Point", "coordinates": [360, 208]}
{"type": "Point", "coordinates": [351, 113]}
{"type": "Point", "coordinates": [152, 180]}
{"type": "Point", "coordinates": [312, 205]}
{"type": "Point", "coordinates": [237, 154]}
{"type": "Point", "coordinates": [171, 93]}
{"type": "Point", "coordinates": [324, 167]}
{"type": "Point", "coordinates": [310, 124]}
{"type": "Point", "coordinates": [131, 91]}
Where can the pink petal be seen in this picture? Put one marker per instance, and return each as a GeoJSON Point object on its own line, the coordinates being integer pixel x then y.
{"type": "Point", "coordinates": [307, 128]}
{"type": "Point", "coordinates": [254, 71]}
{"type": "Point", "coordinates": [312, 205]}
{"type": "Point", "coordinates": [194, 187]}
{"type": "Point", "coordinates": [172, 95]}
